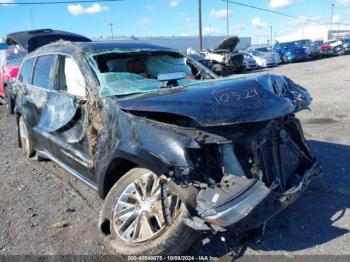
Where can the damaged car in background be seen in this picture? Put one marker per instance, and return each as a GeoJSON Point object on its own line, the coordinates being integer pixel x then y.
{"type": "Point", "coordinates": [226, 61]}
{"type": "Point", "coordinates": [173, 150]}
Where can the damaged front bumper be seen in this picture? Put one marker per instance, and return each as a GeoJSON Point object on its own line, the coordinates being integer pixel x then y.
{"type": "Point", "coordinates": [272, 204]}
{"type": "Point", "coordinates": [251, 207]}
{"type": "Point", "coordinates": [262, 174]}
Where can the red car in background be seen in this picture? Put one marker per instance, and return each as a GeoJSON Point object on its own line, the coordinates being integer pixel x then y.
{"type": "Point", "coordinates": [10, 61]}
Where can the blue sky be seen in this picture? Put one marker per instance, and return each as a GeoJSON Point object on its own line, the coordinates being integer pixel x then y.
{"type": "Point", "coordinates": [170, 17]}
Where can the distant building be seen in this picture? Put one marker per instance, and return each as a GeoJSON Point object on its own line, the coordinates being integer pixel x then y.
{"type": "Point", "coordinates": [338, 34]}
{"type": "Point", "coordinates": [183, 42]}
{"type": "Point", "coordinates": [316, 32]}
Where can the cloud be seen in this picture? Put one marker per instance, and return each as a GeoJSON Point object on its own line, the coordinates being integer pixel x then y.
{"type": "Point", "coordinates": [257, 23]}
{"type": "Point", "coordinates": [80, 10]}
{"type": "Point", "coordinates": [6, 2]}
{"type": "Point", "coordinates": [235, 28]}
{"type": "Point", "coordinates": [345, 3]}
{"type": "Point", "coordinates": [209, 30]}
{"type": "Point", "coordinates": [144, 21]}
{"type": "Point", "coordinates": [303, 20]}
{"type": "Point", "coordinates": [336, 19]}
{"type": "Point", "coordinates": [186, 19]}
{"type": "Point", "coordinates": [222, 13]}
{"type": "Point", "coordinates": [275, 4]}
{"type": "Point", "coordinates": [174, 3]}
{"type": "Point", "coordinates": [150, 7]}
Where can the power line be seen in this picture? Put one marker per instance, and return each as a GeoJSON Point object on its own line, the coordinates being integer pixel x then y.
{"type": "Point", "coordinates": [57, 2]}
{"type": "Point", "coordinates": [261, 9]}
{"type": "Point", "coordinates": [306, 19]}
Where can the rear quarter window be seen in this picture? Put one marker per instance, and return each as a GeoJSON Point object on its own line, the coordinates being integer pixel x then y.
{"type": "Point", "coordinates": [26, 71]}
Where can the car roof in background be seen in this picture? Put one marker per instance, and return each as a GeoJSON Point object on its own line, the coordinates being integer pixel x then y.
{"type": "Point", "coordinates": [31, 40]}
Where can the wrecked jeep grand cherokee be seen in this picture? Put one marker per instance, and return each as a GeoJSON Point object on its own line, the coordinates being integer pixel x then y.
{"type": "Point", "coordinates": [171, 149]}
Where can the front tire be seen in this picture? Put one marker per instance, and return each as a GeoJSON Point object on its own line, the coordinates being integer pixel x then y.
{"type": "Point", "coordinates": [133, 219]}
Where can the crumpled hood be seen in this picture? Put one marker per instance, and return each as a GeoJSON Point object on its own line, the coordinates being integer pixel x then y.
{"type": "Point", "coordinates": [227, 101]}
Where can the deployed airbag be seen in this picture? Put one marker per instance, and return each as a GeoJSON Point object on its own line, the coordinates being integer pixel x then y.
{"type": "Point", "coordinates": [59, 110]}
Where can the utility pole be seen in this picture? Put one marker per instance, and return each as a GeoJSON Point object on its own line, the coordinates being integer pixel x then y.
{"type": "Point", "coordinates": [228, 23]}
{"type": "Point", "coordinates": [32, 18]}
{"type": "Point", "coordinates": [332, 16]}
{"type": "Point", "coordinates": [271, 35]}
{"type": "Point", "coordinates": [111, 25]}
{"type": "Point", "coordinates": [275, 36]}
{"type": "Point", "coordinates": [200, 24]}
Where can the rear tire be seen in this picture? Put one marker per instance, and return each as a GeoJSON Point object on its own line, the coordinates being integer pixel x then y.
{"type": "Point", "coordinates": [25, 141]}
{"type": "Point", "coordinates": [139, 237]}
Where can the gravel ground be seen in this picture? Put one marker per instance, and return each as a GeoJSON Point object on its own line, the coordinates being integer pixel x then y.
{"type": "Point", "coordinates": [35, 196]}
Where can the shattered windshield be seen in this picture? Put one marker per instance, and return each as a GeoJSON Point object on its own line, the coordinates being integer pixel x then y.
{"type": "Point", "coordinates": [137, 72]}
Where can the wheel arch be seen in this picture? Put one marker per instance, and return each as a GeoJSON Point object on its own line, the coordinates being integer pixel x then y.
{"type": "Point", "coordinates": [116, 169]}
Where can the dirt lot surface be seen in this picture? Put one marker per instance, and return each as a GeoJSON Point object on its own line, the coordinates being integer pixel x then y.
{"type": "Point", "coordinates": [35, 196]}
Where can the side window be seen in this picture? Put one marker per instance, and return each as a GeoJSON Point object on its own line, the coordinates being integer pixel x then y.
{"type": "Point", "coordinates": [43, 70]}
{"type": "Point", "coordinates": [26, 71]}
{"type": "Point", "coordinates": [70, 78]}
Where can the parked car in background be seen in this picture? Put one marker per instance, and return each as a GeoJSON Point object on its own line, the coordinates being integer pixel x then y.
{"type": "Point", "coordinates": [318, 42]}
{"type": "Point", "coordinates": [10, 61]}
{"type": "Point", "coordinates": [3, 46]}
{"type": "Point", "coordinates": [346, 45]}
{"type": "Point", "coordinates": [263, 59]}
{"type": "Point", "coordinates": [225, 59]}
{"type": "Point", "coordinates": [332, 48]}
{"type": "Point", "coordinates": [311, 49]}
{"type": "Point", "coordinates": [249, 61]}
{"type": "Point", "coordinates": [268, 50]}
{"type": "Point", "coordinates": [290, 53]}
{"type": "Point", "coordinates": [170, 153]}
{"type": "Point", "coordinates": [199, 58]}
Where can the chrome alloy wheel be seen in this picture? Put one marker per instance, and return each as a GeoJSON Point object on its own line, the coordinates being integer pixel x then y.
{"type": "Point", "coordinates": [139, 213]}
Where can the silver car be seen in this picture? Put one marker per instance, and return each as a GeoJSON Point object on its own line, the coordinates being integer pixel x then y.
{"type": "Point", "coordinates": [249, 61]}
{"type": "Point", "coordinates": [264, 60]}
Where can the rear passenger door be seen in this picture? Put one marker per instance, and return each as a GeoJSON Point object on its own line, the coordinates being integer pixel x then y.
{"type": "Point", "coordinates": [34, 101]}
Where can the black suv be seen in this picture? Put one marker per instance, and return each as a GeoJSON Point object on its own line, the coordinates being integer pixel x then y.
{"type": "Point", "coordinates": [172, 150]}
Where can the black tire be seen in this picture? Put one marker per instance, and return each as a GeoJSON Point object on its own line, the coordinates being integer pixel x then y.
{"type": "Point", "coordinates": [24, 138]}
{"type": "Point", "coordinates": [219, 69]}
{"type": "Point", "coordinates": [174, 239]}
{"type": "Point", "coordinates": [10, 103]}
